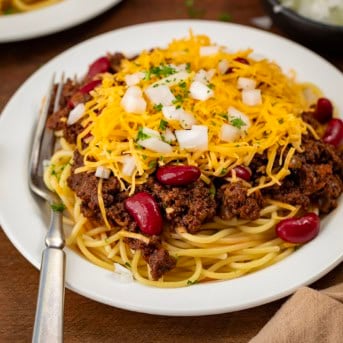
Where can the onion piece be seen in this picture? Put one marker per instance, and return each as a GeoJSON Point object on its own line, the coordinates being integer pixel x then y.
{"type": "Point", "coordinates": [208, 50]}
{"type": "Point", "coordinates": [252, 97]}
{"type": "Point", "coordinates": [195, 139]}
{"type": "Point", "coordinates": [122, 274]}
{"type": "Point", "coordinates": [171, 80]}
{"type": "Point", "coordinates": [234, 113]}
{"type": "Point", "coordinates": [204, 76]}
{"type": "Point", "coordinates": [223, 66]}
{"type": "Point", "coordinates": [133, 101]}
{"type": "Point", "coordinates": [151, 132]}
{"type": "Point", "coordinates": [168, 136]}
{"type": "Point", "coordinates": [75, 114]}
{"type": "Point", "coordinates": [134, 79]}
{"type": "Point", "coordinates": [246, 83]}
{"type": "Point", "coordinates": [129, 165]}
{"type": "Point", "coordinates": [160, 95]}
{"type": "Point", "coordinates": [172, 113]}
{"type": "Point", "coordinates": [199, 91]}
{"type": "Point", "coordinates": [229, 133]}
{"type": "Point", "coordinates": [155, 144]}
{"type": "Point", "coordinates": [102, 172]}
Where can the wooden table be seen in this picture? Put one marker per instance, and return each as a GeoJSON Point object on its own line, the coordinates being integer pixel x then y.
{"type": "Point", "coordinates": [86, 320]}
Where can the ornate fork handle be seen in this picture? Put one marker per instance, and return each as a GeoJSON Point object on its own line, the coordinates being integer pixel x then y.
{"type": "Point", "coordinates": [49, 312]}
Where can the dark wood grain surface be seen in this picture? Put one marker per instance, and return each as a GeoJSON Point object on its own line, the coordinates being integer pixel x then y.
{"type": "Point", "coordinates": [86, 320]}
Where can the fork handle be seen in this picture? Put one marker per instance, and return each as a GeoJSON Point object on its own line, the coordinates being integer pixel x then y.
{"type": "Point", "coordinates": [50, 304]}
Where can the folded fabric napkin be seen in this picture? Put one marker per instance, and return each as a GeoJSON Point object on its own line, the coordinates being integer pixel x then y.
{"type": "Point", "coordinates": [309, 316]}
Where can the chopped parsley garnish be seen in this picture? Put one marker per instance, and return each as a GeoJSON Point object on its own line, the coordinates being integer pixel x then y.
{"type": "Point", "coordinates": [127, 264]}
{"type": "Point", "coordinates": [237, 122]}
{"type": "Point", "coordinates": [224, 16]}
{"type": "Point", "coordinates": [178, 99]}
{"type": "Point", "coordinates": [212, 190]}
{"type": "Point", "coordinates": [158, 107]}
{"type": "Point", "coordinates": [188, 67]}
{"type": "Point", "coordinates": [163, 124]}
{"type": "Point", "coordinates": [210, 85]}
{"type": "Point", "coordinates": [57, 207]}
{"type": "Point", "coordinates": [141, 136]}
{"type": "Point", "coordinates": [160, 71]}
{"type": "Point", "coordinates": [223, 115]}
{"type": "Point", "coordinates": [152, 164]}
{"type": "Point", "coordinates": [223, 171]}
{"type": "Point", "coordinates": [182, 84]}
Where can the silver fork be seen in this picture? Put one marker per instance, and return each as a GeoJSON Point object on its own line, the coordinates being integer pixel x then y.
{"type": "Point", "coordinates": [48, 325]}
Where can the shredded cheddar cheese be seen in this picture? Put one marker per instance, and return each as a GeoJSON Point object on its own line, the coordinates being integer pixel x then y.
{"type": "Point", "coordinates": [275, 124]}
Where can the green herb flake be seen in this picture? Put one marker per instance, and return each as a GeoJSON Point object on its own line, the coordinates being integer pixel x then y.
{"type": "Point", "coordinates": [161, 71]}
{"type": "Point", "coordinates": [127, 264]}
{"type": "Point", "coordinates": [152, 164]}
{"type": "Point", "coordinates": [182, 84]}
{"type": "Point", "coordinates": [188, 67]}
{"type": "Point", "coordinates": [57, 207]}
{"type": "Point", "coordinates": [210, 85]}
{"type": "Point", "coordinates": [223, 115]}
{"type": "Point", "coordinates": [212, 190]}
{"type": "Point", "coordinates": [158, 107]}
{"type": "Point", "coordinates": [163, 125]}
{"type": "Point", "coordinates": [237, 122]}
{"type": "Point", "coordinates": [141, 136]}
{"type": "Point", "coordinates": [224, 16]}
{"type": "Point", "coordinates": [223, 172]}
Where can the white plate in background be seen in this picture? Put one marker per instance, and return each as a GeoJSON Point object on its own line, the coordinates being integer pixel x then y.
{"type": "Point", "coordinates": [50, 19]}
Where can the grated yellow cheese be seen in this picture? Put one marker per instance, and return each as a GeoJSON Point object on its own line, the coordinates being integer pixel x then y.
{"type": "Point", "coordinates": [276, 123]}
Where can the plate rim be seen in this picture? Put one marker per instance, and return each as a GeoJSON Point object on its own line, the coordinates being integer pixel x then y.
{"type": "Point", "coordinates": [54, 24]}
{"type": "Point", "coordinates": [157, 310]}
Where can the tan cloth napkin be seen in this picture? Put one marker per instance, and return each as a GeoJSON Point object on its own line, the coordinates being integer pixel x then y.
{"type": "Point", "coordinates": [309, 316]}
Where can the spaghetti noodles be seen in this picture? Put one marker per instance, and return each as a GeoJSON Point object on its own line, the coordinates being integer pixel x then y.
{"type": "Point", "coordinates": [13, 6]}
{"type": "Point", "coordinates": [129, 120]}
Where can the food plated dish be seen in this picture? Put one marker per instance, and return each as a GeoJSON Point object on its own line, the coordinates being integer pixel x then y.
{"type": "Point", "coordinates": [15, 6]}
{"type": "Point", "coordinates": [188, 300]}
{"type": "Point", "coordinates": [50, 19]}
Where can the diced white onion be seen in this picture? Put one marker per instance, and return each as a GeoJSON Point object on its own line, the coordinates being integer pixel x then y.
{"type": "Point", "coordinates": [229, 133]}
{"type": "Point", "coordinates": [234, 113]}
{"type": "Point", "coordinates": [186, 119]}
{"type": "Point", "coordinates": [204, 76]}
{"type": "Point", "coordinates": [171, 80]}
{"type": "Point", "coordinates": [199, 91]}
{"type": "Point", "coordinates": [133, 101]}
{"type": "Point", "coordinates": [151, 132]}
{"type": "Point", "coordinates": [75, 114]}
{"type": "Point", "coordinates": [122, 274]}
{"type": "Point", "coordinates": [134, 79]}
{"type": "Point", "coordinates": [102, 172]}
{"type": "Point", "coordinates": [155, 144]}
{"type": "Point", "coordinates": [209, 50]}
{"type": "Point", "coordinates": [168, 136]}
{"type": "Point", "coordinates": [170, 112]}
{"type": "Point", "coordinates": [129, 165]}
{"type": "Point", "coordinates": [252, 97]}
{"type": "Point", "coordinates": [195, 139]}
{"type": "Point", "coordinates": [160, 95]}
{"type": "Point", "coordinates": [223, 66]}
{"type": "Point", "coordinates": [246, 83]}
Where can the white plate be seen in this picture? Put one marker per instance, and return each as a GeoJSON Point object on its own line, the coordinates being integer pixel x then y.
{"type": "Point", "coordinates": [22, 218]}
{"type": "Point", "coordinates": [50, 19]}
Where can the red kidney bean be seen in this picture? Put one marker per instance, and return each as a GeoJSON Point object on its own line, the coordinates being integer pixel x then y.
{"type": "Point", "coordinates": [242, 60]}
{"type": "Point", "coordinates": [146, 213]}
{"type": "Point", "coordinates": [241, 172]}
{"type": "Point", "coordinates": [298, 230]}
{"type": "Point", "coordinates": [101, 65]}
{"type": "Point", "coordinates": [324, 110]}
{"type": "Point", "coordinates": [90, 86]}
{"type": "Point", "coordinates": [177, 175]}
{"type": "Point", "coordinates": [334, 132]}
